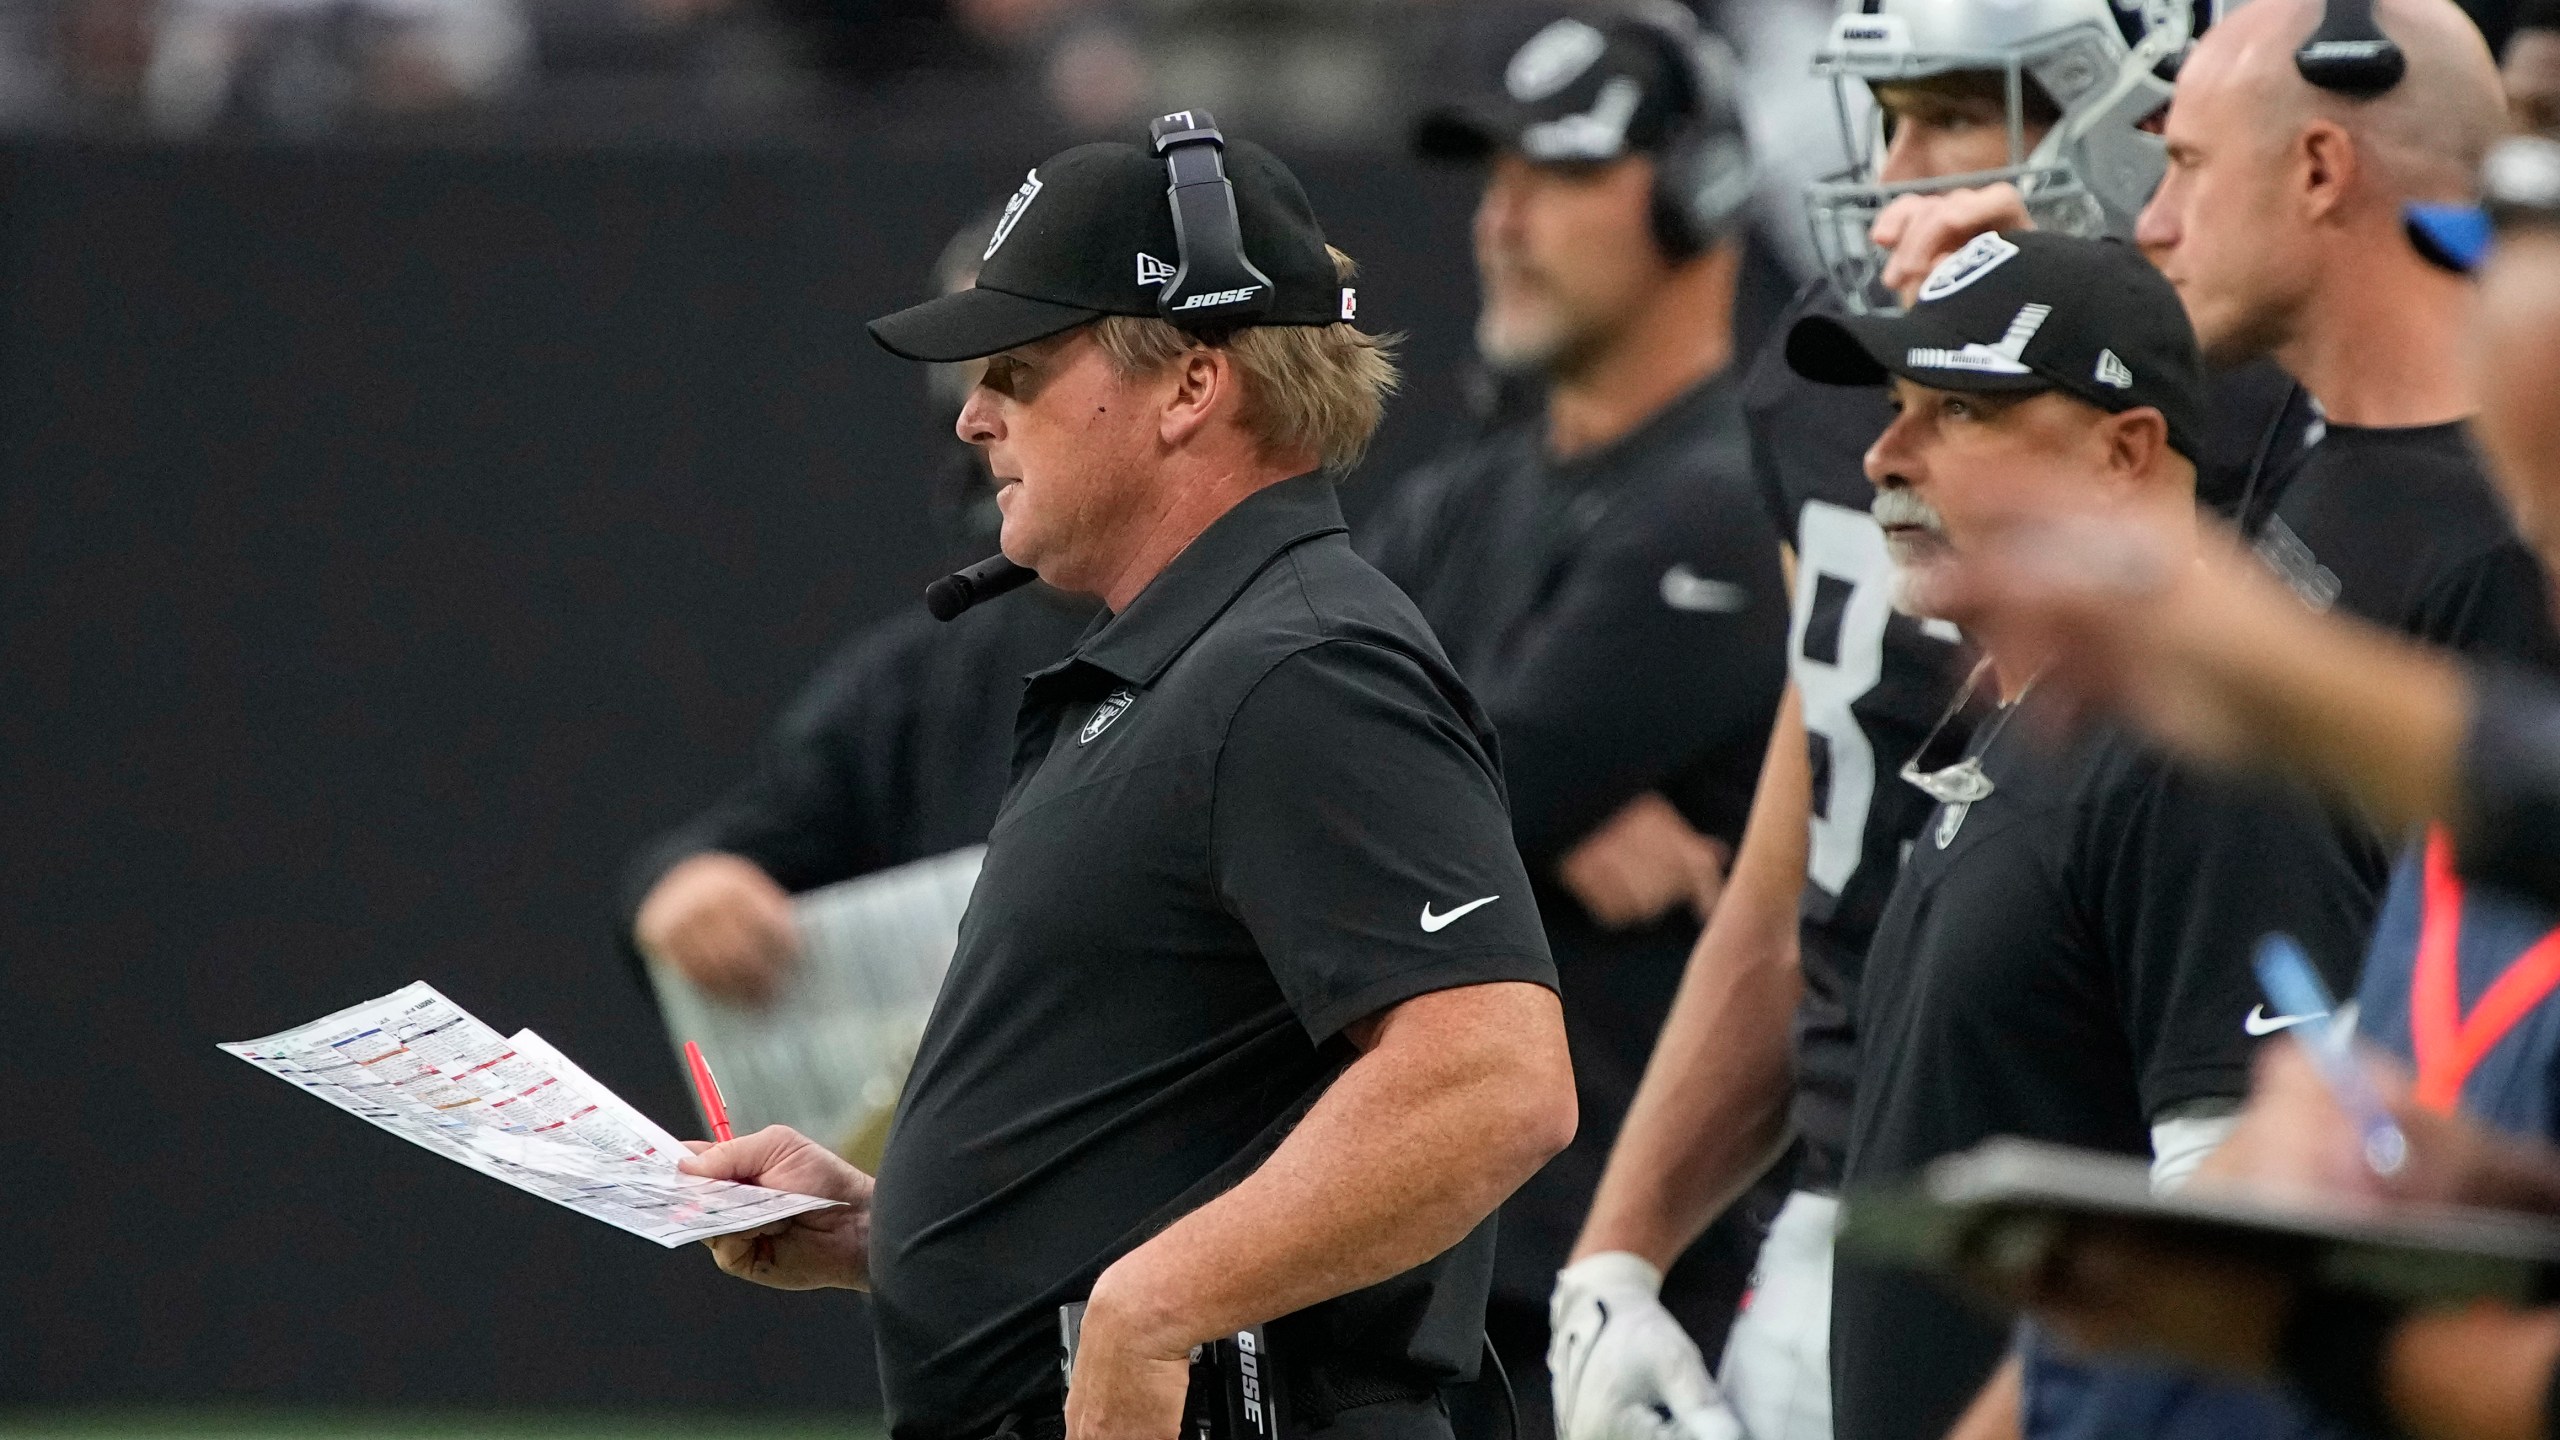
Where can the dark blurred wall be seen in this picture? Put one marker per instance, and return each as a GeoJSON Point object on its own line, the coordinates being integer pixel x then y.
{"type": "Point", "coordinates": [388, 542]}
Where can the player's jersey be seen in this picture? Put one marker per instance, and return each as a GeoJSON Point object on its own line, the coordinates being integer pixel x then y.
{"type": "Point", "coordinates": [1873, 683]}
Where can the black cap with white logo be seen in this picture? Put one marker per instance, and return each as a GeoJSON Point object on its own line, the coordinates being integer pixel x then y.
{"type": "Point", "coordinates": [1577, 92]}
{"type": "Point", "coordinates": [1091, 232]}
{"type": "Point", "coordinates": [2024, 310]}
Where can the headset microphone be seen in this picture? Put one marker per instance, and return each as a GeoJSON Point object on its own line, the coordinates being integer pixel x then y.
{"type": "Point", "coordinates": [986, 580]}
{"type": "Point", "coordinates": [2349, 54]}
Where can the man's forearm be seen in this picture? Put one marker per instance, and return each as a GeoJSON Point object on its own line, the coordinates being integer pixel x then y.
{"type": "Point", "coordinates": [1711, 1112]}
{"type": "Point", "coordinates": [1462, 1095]}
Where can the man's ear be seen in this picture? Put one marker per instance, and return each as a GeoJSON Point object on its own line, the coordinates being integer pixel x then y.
{"type": "Point", "coordinates": [2137, 439]}
{"type": "Point", "coordinates": [2325, 162]}
{"type": "Point", "coordinates": [1202, 378]}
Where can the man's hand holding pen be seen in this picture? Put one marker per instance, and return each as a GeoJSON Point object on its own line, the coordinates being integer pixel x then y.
{"type": "Point", "coordinates": [819, 1250]}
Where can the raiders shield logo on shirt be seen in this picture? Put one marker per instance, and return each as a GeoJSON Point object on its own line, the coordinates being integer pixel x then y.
{"type": "Point", "coordinates": [1104, 713]}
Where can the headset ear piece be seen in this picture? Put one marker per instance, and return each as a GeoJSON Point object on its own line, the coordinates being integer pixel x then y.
{"type": "Point", "coordinates": [1215, 285]}
{"type": "Point", "coordinates": [1706, 174]}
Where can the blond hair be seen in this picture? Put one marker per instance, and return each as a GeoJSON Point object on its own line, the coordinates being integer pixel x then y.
{"type": "Point", "coordinates": [1319, 388]}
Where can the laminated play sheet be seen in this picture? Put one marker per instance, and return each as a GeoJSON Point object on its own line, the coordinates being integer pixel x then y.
{"type": "Point", "coordinates": [512, 1108]}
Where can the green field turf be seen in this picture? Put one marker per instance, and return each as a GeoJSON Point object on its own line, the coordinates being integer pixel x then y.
{"type": "Point", "coordinates": [198, 1423]}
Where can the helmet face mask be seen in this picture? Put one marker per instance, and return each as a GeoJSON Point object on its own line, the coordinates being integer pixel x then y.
{"type": "Point", "coordinates": [2088, 174]}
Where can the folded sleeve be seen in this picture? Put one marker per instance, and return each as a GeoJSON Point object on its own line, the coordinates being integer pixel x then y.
{"type": "Point", "coordinates": [1359, 832]}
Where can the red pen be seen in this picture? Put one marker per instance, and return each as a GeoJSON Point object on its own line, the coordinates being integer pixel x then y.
{"type": "Point", "coordinates": [708, 1090]}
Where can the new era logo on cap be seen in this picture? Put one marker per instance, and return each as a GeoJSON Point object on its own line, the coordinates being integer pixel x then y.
{"type": "Point", "coordinates": [1152, 271]}
{"type": "Point", "coordinates": [2112, 371]}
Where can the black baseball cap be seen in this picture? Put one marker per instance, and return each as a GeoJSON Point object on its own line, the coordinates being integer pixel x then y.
{"type": "Point", "coordinates": [2027, 310]}
{"type": "Point", "coordinates": [1580, 91]}
{"type": "Point", "coordinates": [1090, 233]}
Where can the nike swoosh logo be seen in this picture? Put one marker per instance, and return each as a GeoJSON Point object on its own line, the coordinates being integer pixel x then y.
{"type": "Point", "coordinates": [1685, 589]}
{"type": "Point", "coordinates": [2261, 1023]}
{"type": "Point", "coordinates": [1434, 924]}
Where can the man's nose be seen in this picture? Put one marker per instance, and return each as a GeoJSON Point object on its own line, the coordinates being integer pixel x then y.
{"type": "Point", "coordinates": [2155, 230]}
{"type": "Point", "coordinates": [1903, 157]}
{"type": "Point", "coordinates": [977, 424]}
{"type": "Point", "coordinates": [1498, 208]}
{"type": "Point", "coordinates": [1887, 460]}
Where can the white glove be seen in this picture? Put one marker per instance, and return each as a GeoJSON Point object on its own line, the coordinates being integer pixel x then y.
{"type": "Point", "coordinates": [1623, 1369]}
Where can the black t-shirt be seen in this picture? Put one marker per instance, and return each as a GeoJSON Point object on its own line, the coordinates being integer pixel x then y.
{"type": "Point", "coordinates": [1875, 682]}
{"type": "Point", "coordinates": [2404, 528]}
{"type": "Point", "coordinates": [1255, 807]}
{"type": "Point", "coordinates": [895, 750]}
{"type": "Point", "coordinates": [1622, 617]}
{"type": "Point", "coordinates": [2065, 960]}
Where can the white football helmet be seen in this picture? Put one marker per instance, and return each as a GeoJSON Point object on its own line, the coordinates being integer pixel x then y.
{"type": "Point", "coordinates": [2093, 170]}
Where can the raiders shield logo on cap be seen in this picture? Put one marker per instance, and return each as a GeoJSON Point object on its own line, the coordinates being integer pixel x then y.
{"type": "Point", "coordinates": [1013, 209]}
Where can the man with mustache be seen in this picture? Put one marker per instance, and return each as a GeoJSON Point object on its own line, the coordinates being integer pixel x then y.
{"type": "Point", "coordinates": [2065, 954]}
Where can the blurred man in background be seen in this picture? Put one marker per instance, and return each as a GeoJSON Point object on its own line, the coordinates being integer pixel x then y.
{"type": "Point", "coordinates": [895, 751]}
{"type": "Point", "coordinates": [1599, 572]}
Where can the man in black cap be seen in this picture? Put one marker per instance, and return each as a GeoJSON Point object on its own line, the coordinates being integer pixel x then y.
{"type": "Point", "coordinates": [2065, 956]}
{"type": "Point", "coordinates": [1602, 572]}
{"type": "Point", "coordinates": [1252, 1019]}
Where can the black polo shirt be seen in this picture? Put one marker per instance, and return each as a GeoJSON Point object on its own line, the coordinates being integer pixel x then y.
{"type": "Point", "coordinates": [1254, 808]}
